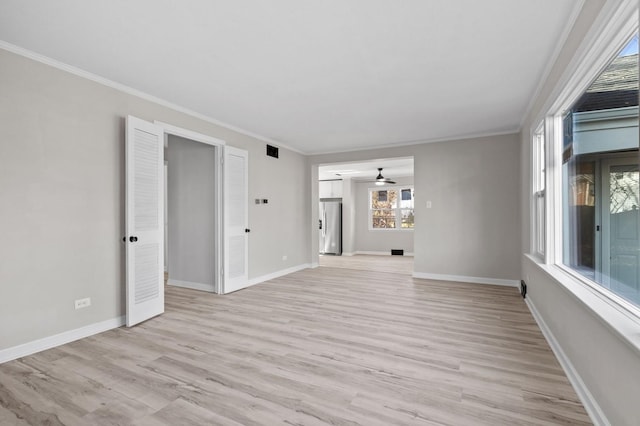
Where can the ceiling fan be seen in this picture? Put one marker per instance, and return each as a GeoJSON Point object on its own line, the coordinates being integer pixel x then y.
{"type": "Point", "coordinates": [381, 180]}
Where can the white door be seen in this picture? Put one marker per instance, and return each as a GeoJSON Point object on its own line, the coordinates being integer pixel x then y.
{"type": "Point", "coordinates": [621, 227]}
{"type": "Point", "coordinates": [144, 220]}
{"type": "Point", "coordinates": [236, 219]}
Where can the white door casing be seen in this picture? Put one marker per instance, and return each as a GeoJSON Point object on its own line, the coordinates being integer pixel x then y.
{"type": "Point", "coordinates": [236, 219]}
{"type": "Point", "coordinates": [144, 220]}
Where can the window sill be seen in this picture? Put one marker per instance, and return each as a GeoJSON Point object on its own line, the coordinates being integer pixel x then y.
{"type": "Point", "coordinates": [622, 321]}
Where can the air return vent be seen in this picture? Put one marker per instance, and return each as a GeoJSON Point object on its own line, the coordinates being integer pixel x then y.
{"type": "Point", "coordinates": [272, 151]}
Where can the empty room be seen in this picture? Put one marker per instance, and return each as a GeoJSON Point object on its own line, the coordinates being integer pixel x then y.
{"type": "Point", "coordinates": [420, 212]}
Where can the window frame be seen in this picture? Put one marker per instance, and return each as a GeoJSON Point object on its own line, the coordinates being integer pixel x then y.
{"type": "Point", "coordinates": [538, 191]}
{"type": "Point", "coordinates": [397, 210]}
{"type": "Point", "coordinates": [593, 56]}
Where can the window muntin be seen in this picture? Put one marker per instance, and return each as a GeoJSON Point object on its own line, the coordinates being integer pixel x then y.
{"type": "Point", "coordinates": [391, 208]}
{"type": "Point", "coordinates": [600, 190]}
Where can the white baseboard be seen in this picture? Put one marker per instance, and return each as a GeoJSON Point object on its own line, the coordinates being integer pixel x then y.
{"type": "Point", "coordinates": [194, 286]}
{"type": "Point", "coordinates": [377, 253]}
{"type": "Point", "coordinates": [466, 279]}
{"type": "Point", "coordinates": [590, 404]}
{"type": "Point", "coordinates": [59, 339]}
{"type": "Point", "coordinates": [351, 253]}
{"type": "Point", "coordinates": [273, 275]}
{"type": "Point", "coordinates": [314, 265]}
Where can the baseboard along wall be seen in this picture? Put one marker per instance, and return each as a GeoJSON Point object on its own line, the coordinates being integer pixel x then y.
{"type": "Point", "coordinates": [467, 279]}
{"type": "Point", "coordinates": [49, 342]}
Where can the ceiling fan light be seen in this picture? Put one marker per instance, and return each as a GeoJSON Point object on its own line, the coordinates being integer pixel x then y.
{"type": "Point", "coordinates": [380, 183]}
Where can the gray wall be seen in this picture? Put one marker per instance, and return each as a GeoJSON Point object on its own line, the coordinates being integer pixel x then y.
{"type": "Point", "coordinates": [349, 220]}
{"type": "Point", "coordinates": [608, 366]}
{"type": "Point", "coordinates": [191, 211]}
{"type": "Point", "coordinates": [62, 198]}
{"type": "Point", "coordinates": [473, 227]}
{"type": "Point", "coordinates": [379, 241]}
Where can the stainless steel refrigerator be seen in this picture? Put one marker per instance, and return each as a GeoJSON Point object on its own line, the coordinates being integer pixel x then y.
{"type": "Point", "coordinates": [330, 227]}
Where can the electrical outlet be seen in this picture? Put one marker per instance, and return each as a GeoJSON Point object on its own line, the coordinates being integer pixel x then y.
{"type": "Point", "coordinates": [284, 257]}
{"type": "Point", "coordinates": [428, 204]}
{"type": "Point", "coordinates": [83, 303]}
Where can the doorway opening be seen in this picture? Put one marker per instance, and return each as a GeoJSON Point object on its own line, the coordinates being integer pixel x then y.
{"type": "Point", "coordinates": [365, 208]}
{"type": "Point", "coordinates": [191, 209]}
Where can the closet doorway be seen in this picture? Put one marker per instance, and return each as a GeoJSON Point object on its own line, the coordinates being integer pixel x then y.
{"type": "Point", "coordinates": [206, 191]}
{"type": "Point", "coordinates": [193, 209]}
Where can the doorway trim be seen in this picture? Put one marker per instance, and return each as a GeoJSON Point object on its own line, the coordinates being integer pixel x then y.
{"type": "Point", "coordinates": [170, 129]}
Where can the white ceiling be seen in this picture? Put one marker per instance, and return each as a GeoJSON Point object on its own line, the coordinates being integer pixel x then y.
{"type": "Point", "coordinates": [367, 170]}
{"type": "Point", "coordinates": [317, 76]}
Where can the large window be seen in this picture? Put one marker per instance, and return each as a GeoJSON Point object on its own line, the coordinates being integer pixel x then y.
{"type": "Point", "coordinates": [391, 208]}
{"type": "Point", "coordinates": [600, 179]}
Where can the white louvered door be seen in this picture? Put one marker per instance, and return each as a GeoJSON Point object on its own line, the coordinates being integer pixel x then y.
{"type": "Point", "coordinates": [236, 219]}
{"type": "Point", "coordinates": [144, 220]}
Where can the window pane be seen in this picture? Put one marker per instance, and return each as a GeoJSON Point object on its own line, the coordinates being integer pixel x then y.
{"type": "Point", "coordinates": [601, 221]}
{"type": "Point", "coordinates": [406, 201]}
{"type": "Point", "coordinates": [407, 218]}
{"type": "Point", "coordinates": [386, 199]}
{"type": "Point", "coordinates": [623, 189]}
{"type": "Point", "coordinates": [383, 219]}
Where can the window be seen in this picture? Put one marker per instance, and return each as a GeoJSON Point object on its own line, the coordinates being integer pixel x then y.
{"type": "Point", "coordinates": [539, 203]}
{"type": "Point", "coordinates": [391, 208]}
{"type": "Point", "coordinates": [600, 179]}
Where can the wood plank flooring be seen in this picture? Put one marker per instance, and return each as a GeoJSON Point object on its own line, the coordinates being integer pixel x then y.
{"type": "Point", "coordinates": [321, 346]}
{"type": "Point", "coordinates": [378, 263]}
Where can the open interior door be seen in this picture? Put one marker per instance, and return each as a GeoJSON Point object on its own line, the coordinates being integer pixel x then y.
{"type": "Point", "coordinates": [236, 219]}
{"type": "Point", "coordinates": [144, 220]}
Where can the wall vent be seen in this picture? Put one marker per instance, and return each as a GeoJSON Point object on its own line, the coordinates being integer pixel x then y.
{"type": "Point", "coordinates": [397, 252]}
{"type": "Point", "coordinates": [272, 151]}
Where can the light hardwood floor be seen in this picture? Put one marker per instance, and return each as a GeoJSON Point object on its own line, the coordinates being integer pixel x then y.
{"type": "Point", "coordinates": [321, 346]}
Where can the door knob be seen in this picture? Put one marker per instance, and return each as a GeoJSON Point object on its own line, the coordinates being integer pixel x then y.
{"type": "Point", "coordinates": [133, 239]}
{"type": "Point", "coordinates": [247, 230]}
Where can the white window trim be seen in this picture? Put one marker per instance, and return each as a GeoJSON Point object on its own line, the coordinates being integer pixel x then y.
{"type": "Point", "coordinates": [536, 192]}
{"type": "Point", "coordinates": [617, 22]}
{"type": "Point", "coordinates": [397, 209]}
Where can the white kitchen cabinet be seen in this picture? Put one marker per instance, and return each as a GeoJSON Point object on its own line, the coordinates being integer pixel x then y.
{"type": "Point", "coordinates": [330, 189]}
